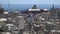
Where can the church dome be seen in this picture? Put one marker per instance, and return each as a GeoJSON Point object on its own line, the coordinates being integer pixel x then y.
{"type": "Point", "coordinates": [34, 7]}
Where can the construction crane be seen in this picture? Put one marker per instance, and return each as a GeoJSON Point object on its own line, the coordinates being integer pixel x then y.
{"type": "Point", "coordinates": [9, 5]}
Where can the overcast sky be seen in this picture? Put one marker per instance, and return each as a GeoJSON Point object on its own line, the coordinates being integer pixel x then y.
{"type": "Point", "coordinates": [30, 1]}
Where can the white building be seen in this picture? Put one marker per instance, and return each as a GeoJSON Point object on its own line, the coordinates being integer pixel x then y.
{"type": "Point", "coordinates": [21, 22]}
{"type": "Point", "coordinates": [3, 21]}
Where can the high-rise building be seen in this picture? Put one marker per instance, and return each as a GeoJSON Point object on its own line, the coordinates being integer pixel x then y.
{"type": "Point", "coordinates": [1, 10]}
{"type": "Point", "coordinates": [21, 22]}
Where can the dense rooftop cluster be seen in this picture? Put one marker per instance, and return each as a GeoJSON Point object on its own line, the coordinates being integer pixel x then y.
{"type": "Point", "coordinates": [42, 21]}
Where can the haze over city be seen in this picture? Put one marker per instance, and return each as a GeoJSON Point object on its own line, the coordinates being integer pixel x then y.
{"type": "Point", "coordinates": [30, 1]}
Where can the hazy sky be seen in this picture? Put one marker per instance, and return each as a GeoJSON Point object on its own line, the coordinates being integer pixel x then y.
{"type": "Point", "coordinates": [30, 1]}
